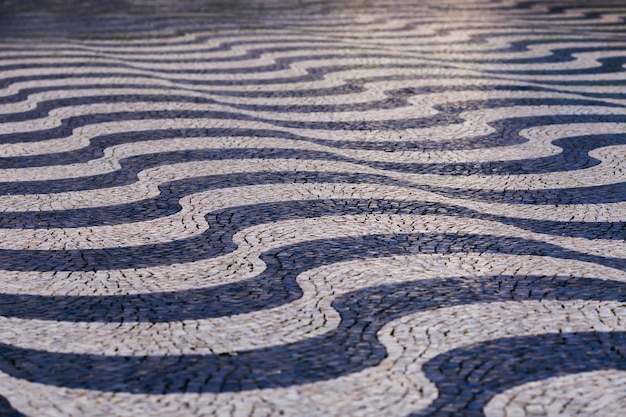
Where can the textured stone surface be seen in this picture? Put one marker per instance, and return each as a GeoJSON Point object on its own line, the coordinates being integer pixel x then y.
{"type": "Point", "coordinates": [265, 208]}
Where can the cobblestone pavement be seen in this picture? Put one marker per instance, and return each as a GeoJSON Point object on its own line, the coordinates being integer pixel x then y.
{"type": "Point", "coordinates": [313, 208]}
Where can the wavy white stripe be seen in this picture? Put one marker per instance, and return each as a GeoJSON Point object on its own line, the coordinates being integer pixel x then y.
{"type": "Point", "coordinates": [586, 394]}
{"type": "Point", "coordinates": [373, 91]}
{"type": "Point", "coordinates": [253, 241]}
{"type": "Point", "coordinates": [442, 49]}
{"type": "Point", "coordinates": [608, 172]}
{"type": "Point", "coordinates": [476, 123]}
{"type": "Point", "coordinates": [58, 114]}
{"type": "Point", "coordinates": [309, 316]}
{"type": "Point", "coordinates": [190, 221]}
{"type": "Point", "coordinates": [539, 145]}
{"type": "Point", "coordinates": [26, 57]}
{"type": "Point", "coordinates": [232, 51]}
{"type": "Point", "coordinates": [427, 30]}
{"type": "Point", "coordinates": [296, 69]}
{"type": "Point", "coordinates": [583, 60]}
{"type": "Point", "coordinates": [333, 79]}
{"type": "Point", "coordinates": [394, 387]}
{"type": "Point", "coordinates": [450, 44]}
{"type": "Point", "coordinates": [459, 38]}
{"type": "Point", "coordinates": [265, 59]}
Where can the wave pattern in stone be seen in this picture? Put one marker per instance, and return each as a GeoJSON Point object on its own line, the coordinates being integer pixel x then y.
{"type": "Point", "coordinates": [313, 208]}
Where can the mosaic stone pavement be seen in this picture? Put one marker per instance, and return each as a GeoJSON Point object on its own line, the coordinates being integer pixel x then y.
{"type": "Point", "coordinates": [313, 208]}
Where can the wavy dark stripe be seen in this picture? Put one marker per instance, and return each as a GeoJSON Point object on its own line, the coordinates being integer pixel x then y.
{"type": "Point", "coordinates": [313, 74]}
{"type": "Point", "coordinates": [561, 55]}
{"type": "Point", "coordinates": [525, 44]}
{"type": "Point", "coordinates": [467, 378]}
{"type": "Point", "coordinates": [350, 87]}
{"type": "Point", "coordinates": [274, 287]}
{"type": "Point", "coordinates": [133, 25]}
{"type": "Point", "coordinates": [610, 65]}
{"type": "Point", "coordinates": [347, 88]}
{"type": "Point", "coordinates": [396, 99]}
{"type": "Point", "coordinates": [167, 23]}
{"type": "Point", "coordinates": [226, 45]}
{"type": "Point", "coordinates": [7, 410]}
{"type": "Point", "coordinates": [601, 194]}
{"type": "Point", "coordinates": [575, 156]}
{"type": "Point", "coordinates": [252, 53]}
{"type": "Point", "coordinates": [167, 203]}
{"type": "Point", "coordinates": [448, 114]}
{"type": "Point", "coordinates": [280, 63]}
{"type": "Point", "coordinates": [350, 348]}
{"type": "Point", "coordinates": [209, 244]}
